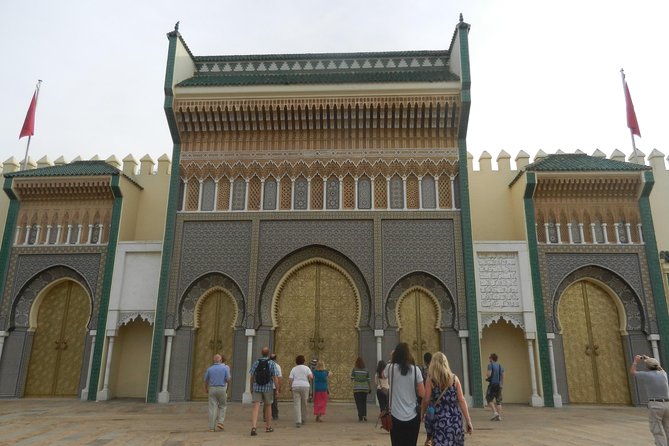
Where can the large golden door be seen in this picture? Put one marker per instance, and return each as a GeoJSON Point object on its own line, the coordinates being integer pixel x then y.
{"type": "Point", "coordinates": [215, 334]}
{"type": "Point", "coordinates": [58, 345]}
{"type": "Point", "coordinates": [317, 316]}
{"type": "Point", "coordinates": [418, 321]}
{"type": "Point", "coordinates": [593, 350]}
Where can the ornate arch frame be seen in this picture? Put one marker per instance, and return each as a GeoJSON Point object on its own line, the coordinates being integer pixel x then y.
{"type": "Point", "coordinates": [325, 255]}
{"type": "Point", "coordinates": [432, 286]}
{"type": "Point", "coordinates": [515, 319]}
{"type": "Point", "coordinates": [205, 295]}
{"type": "Point", "coordinates": [296, 268]}
{"type": "Point", "coordinates": [190, 302]}
{"type": "Point", "coordinates": [630, 309]}
{"type": "Point", "coordinates": [26, 304]}
{"type": "Point", "coordinates": [433, 299]}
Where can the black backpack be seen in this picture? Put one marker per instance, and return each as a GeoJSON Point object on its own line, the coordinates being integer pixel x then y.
{"type": "Point", "coordinates": [263, 373]}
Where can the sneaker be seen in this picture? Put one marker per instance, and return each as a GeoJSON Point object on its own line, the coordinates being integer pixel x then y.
{"type": "Point", "coordinates": [495, 417]}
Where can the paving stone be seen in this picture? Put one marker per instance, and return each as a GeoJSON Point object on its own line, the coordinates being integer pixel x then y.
{"type": "Point", "coordinates": [129, 422]}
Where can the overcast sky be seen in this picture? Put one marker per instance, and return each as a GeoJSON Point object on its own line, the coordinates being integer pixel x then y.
{"type": "Point", "coordinates": [545, 75]}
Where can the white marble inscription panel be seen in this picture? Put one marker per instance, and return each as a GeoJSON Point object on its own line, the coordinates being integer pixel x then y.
{"type": "Point", "coordinates": [499, 279]}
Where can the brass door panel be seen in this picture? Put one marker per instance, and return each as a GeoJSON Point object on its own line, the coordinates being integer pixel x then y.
{"type": "Point", "coordinates": [316, 317]}
{"type": "Point", "coordinates": [579, 366]}
{"type": "Point", "coordinates": [58, 345]}
{"type": "Point", "coordinates": [594, 358]}
{"type": "Point", "coordinates": [215, 334]}
{"type": "Point", "coordinates": [607, 347]}
{"type": "Point", "coordinates": [418, 319]}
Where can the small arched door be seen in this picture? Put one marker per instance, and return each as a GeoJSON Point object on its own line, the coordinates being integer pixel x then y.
{"type": "Point", "coordinates": [593, 349]}
{"type": "Point", "coordinates": [216, 318]}
{"type": "Point", "coordinates": [418, 319]}
{"type": "Point", "coordinates": [57, 353]}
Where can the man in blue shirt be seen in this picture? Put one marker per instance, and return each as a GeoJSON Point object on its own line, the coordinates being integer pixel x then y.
{"type": "Point", "coordinates": [216, 380]}
{"type": "Point", "coordinates": [495, 377]}
{"type": "Point", "coordinates": [264, 377]}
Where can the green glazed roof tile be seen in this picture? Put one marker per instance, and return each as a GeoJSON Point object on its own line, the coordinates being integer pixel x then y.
{"type": "Point", "coordinates": [323, 68]}
{"type": "Point", "coordinates": [76, 168]}
{"type": "Point", "coordinates": [582, 163]}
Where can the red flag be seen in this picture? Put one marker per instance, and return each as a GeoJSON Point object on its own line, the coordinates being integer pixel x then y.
{"type": "Point", "coordinates": [28, 128]}
{"type": "Point", "coordinates": [632, 123]}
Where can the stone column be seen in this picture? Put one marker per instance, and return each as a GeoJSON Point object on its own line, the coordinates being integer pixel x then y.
{"type": "Point", "coordinates": [379, 344]}
{"type": "Point", "coordinates": [164, 395]}
{"type": "Point", "coordinates": [571, 236]}
{"type": "Point", "coordinates": [653, 344]}
{"type": "Point", "coordinates": [86, 391]}
{"type": "Point", "coordinates": [628, 231]}
{"type": "Point", "coordinates": [3, 335]}
{"type": "Point", "coordinates": [104, 394]}
{"type": "Point", "coordinates": [464, 335]}
{"type": "Point", "coordinates": [639, 228]}
{"type": "Point", "coordinates": [250, 334]}
{"type": "Point", "coordinates": [557, 399]}
{"type": "Point", "coordinates": [535, 399]}
{"type": "Point", "coordinates": [580, 231]}
{"type": "Point", "coordinates": [605, 232]}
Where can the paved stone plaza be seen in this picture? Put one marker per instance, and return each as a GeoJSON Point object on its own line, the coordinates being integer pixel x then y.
{"type": "Point", "coordinates": [122, 422]}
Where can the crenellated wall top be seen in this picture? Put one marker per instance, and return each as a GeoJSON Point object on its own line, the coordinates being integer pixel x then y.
{"type": "Point", "coordinates": [129, 165]}
{"type": "Point", "coordinates": [656, 159]}
{"type": "Point", "coordinates": [147, 166]}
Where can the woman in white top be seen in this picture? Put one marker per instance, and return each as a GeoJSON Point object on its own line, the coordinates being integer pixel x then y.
{"type": "Point", "coordinates": [381, 385]}
{"type": "Point", "coordinates": [299, 381]}
{"type": "Point", "coordinates": [406, 386]}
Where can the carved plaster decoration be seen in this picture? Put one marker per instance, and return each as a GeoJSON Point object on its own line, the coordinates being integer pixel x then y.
{"type": "Point", "coordinates": [432, 286]}
{"type": "Point", "coordinates": [371, 167]}
{"type": "Point", "coordinates": [515, 319]}
{"type": "Point", "coordinates": [499, 280]}
{"type": "Point", "coordinates": [125, 317]}
{"type": "Point", "coordinates": [201, 287]}
{"type": "Point", "coordinates": [634, 309]}
{"type": "Point", "coordinates": [28, 295]}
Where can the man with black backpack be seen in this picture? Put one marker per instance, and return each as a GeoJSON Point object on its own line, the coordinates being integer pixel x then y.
{"type": "Point", "coordinates": [264, 376]}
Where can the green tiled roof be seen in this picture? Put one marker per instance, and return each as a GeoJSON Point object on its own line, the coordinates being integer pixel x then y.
{"type": "Point", "coordinates": [582, 163]}
{"type": "Point", "coordinates": [325, 68]}
{"type": "Point", "coordinates": [76, 168]}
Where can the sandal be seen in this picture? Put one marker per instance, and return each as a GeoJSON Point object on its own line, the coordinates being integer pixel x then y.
{"type": "Point", "coordinates": [269, 429]}
{"type": "Point", "coordinates": [254, 432]}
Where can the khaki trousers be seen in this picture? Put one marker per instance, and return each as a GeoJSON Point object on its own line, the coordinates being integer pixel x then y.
{"type": "Point", "coordinates": [218, 397]}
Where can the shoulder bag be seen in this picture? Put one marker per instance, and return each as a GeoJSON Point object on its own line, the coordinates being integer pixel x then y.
{"type": "Point", "coordinates": [384, 417]}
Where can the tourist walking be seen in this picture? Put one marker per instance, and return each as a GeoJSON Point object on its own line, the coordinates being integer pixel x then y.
{"type": "Point", "coordinates": [299, 381]}
{"type": "Point", "coordinates": [263, 376]}
{"type": "Point", "coordinates": [321, 389]}
{"type": "Point", "coordinates": [444, 405]}
{"type": "Point", "coordinates": [381, 382]}
{"type": "Point", "coordinates": [216, 380]}
{"type": "Point", "coordinates": [654, 379]}
{"type": "Point", "coordinates": [276, 389]}
{"type": "Point", "coordinates": [406, 386]}
{"type": "Point", "coordinates": [362, 386]}
{"type": "Point", "coordinates": [495, 377]}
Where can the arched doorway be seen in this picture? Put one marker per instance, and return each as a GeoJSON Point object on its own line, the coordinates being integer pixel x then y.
{"type": "Point", "coordinates": [216, 315]}
{"type": "Point", "coordinates": [594, 358]}
{"type": "Point", "coordinates": [130, 362]}
{"type": "Point", "coordinates": [57, 353]}
{"type": "Point", "coordinates": [316, 314]}
{"type": "Point", "coordinates": [418, 318]}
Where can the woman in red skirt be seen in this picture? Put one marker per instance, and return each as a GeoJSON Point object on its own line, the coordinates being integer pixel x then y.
{"type": "Point", "coordinates": [321, 390]}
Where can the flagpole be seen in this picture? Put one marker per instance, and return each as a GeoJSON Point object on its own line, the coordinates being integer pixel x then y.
{"type": "Point", "coordinates": [622, 74]}
{"type": "Point", "coordinates": [25, 158]}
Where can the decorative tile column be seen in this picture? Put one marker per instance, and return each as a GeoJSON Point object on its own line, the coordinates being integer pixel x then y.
{"type": "Point", "coordinates": [247, 398]}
